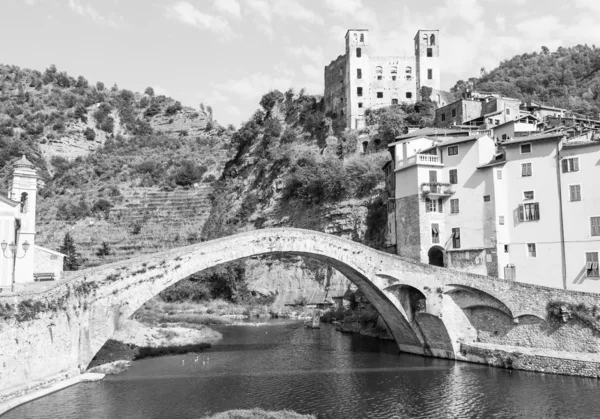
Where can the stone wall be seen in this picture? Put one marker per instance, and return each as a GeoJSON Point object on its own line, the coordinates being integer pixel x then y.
{"type": "Point", "coordinates": [408, 231]}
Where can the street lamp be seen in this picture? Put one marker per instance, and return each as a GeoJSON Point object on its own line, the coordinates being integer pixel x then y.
{"type": "Point", "coordinates": [13, 250]}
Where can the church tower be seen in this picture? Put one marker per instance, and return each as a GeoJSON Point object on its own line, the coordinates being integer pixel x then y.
{"type": "Point", "coordinates": [357, 74]}
{"type": "Point", "coordinates": [23, 189]}
{"type": "Point", "coordinates": [427, 55]}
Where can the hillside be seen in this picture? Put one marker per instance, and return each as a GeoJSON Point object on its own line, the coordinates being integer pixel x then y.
{"type": "Point", "coordinates": [129, 169]}
{"type": "Point", "coordinates": [566, 78]}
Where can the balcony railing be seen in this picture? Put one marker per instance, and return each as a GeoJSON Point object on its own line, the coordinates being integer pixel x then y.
{"type": "Point", "coordinates": [436, 189]}
{"type": "Point", "coordinates": [419, 158]}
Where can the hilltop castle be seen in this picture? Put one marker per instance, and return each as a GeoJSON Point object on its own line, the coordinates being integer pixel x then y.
{"type": "Point", "coordinates": [357, 81]}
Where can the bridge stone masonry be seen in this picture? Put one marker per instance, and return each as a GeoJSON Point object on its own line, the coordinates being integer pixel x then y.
{"type": "Point", "coordinates": [54, 334]}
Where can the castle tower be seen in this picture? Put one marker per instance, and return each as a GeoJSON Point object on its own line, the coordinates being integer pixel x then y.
{"type": "Point", "coordinates": [23, 189]}
{"type": "Point", "coordinates": [427, 57]}
{"type": "Point", "coordinates": [357, 70]}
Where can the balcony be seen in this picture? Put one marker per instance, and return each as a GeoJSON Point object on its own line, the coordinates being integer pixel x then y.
{"type": "Point", "coordinates": [436, 189]}
{"type": "Point", "coordinates": [429, 159]}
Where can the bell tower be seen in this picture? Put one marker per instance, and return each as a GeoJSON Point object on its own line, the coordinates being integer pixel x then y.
{"type": "Point", "coordinates": [427, 57]}
{"type": "Point", "coordinates": [23, 189]}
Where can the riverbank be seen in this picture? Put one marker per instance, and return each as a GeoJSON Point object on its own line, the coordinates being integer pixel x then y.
{"type": "Point", "coordinates": [259, 414]}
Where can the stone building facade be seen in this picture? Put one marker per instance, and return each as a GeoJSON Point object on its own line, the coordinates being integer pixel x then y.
{"type": "Point", "coordinates": [357, 81]}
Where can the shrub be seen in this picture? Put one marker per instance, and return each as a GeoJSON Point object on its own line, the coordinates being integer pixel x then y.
{"type": "Point", "coordinates": [102, 206]}
{"type": "Point", "coordinates": [149, 91]}
{"type": "Point", "coordinates": [108, 125]}
{"type": "Point", "coordinates": [104, 251]}
{"type": "Point", "coordinates": [89, 134]}
{"type": "Point", "coordinates": [289, 136]}
{"type": "Point", "coordinates": [188, 173]}
{"type": "Point", "coordinates": [99, 86]}
{"type": "Point", "coordinates": [187, 290]}
{"type": "Point", "coordinates": [153, 110]}
{"type": "Point", "coordinates": [173, 109]}
{"type": "Point", "coordinates": [269, 100]}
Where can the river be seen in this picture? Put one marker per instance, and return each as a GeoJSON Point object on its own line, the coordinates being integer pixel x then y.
{"type": "Point", "coordinates": [282, 365]}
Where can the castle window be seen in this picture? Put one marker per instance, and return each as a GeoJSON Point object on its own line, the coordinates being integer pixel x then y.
{"type": "Point", "coordinates": [429, 74]}
{"type": "Point", "coordinates": [425, 39]}
{"type": "Point", "coordinates": [394, 72]}
{"type": "Point", "coordinates": [439, 100]}
{"type": "Point", "coordinates": [394, 101]}
{"type": "Point", "coordinates": [408, 95]}
{"type": "Point", "coordinates": [379, 72]}
{"type": "Point", "coordinates": [24, 202]}
{"type": "Point", "coordinates": [408, 72]}
{"type": "Point", "coordinates": [359, 73]}
{"type": "Point", "coordinates": [359, 91]}
{"type": "Point", "coordinates": [362, 37]}
{"type": "Point", "coordinates": [360, 104]}
{"type": "Point", "coordinates": [430, 52]}
{"type": "Point", "coordinates": [379, 95]}
{"type": "Point", "coordinates": [358, 53]}
{"type": "Point", "coordinates": [432, 40]}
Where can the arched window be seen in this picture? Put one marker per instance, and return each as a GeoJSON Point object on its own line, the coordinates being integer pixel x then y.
{"type": "Point", "coordinates": [24, 202]}
{"type": "Point", "coordinates": [379, 72]}
{"type": "Point", "coordinates": [362, 37]}
{"type": "Point", "coordinates": [408, 72]}
{"type": "Point", "coordinates": [394, 72]}
{"type": "Point", "coordinates": [432, 39]}
{"type": "Point", "coordinates": [355, 37]}
{"type": "Point", "coordinates": [425, 39]}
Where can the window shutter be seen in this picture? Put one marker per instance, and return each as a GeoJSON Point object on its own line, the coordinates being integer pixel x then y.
{"type": "Point", "coordinates": [523, 170]}
{"type": "Point", "coordinates": [440, 207]}
{"type": "Point", "coordinates": [537, 211]}
{"type": "Point", "coordinates": [565, 165]}
{"type": "Point", "coordinates": [588, 265]}
{"type": "Point", "coordinates": [521, 213]}
{"type": "Point", "coordinates": [576, 164]}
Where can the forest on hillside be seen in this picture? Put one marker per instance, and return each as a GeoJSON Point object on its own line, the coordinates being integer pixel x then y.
{"type": "Point", "coordinates": [567, 78]}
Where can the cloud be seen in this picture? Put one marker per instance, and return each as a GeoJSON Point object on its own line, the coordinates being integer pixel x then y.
{"type": "Point", "coordinates": [189, 15]}
{"type": "Point", "coordinates": [313, 54]}
{"type": "Point", "coordinates": [355, 10]}
{"type": "Point", "coordinates": [254, 86]}
{"type": "Point", "coordinates": [312, 71]}
{"type": "Point", "coordinates": [289, 9]}
{"type": "Point", "coordinates": [260, 7]}
{"type": "Point", "coordinates": [231, 7]}
{"type": "Point", "coordinates": [159, 90]}
{"type": "Point", "coordinates": [88, 11]}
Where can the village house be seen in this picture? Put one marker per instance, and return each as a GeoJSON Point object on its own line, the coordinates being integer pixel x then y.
{"type": "Point", "coordinates": [527, 210]}
{"type": "Point", "coordinates": [23, 262]}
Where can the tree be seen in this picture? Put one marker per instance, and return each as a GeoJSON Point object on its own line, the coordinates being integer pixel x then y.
{"type": "Point", "coordinates": [104, 250]}
{"type": "Point", "coordinates": [149, 91]}
{"type": "Point", "coordinates": [89, 134]}
{"type": "Point", "coordinates": [99, 86]}
{"type": "Point", "coordinates": [73, 259]}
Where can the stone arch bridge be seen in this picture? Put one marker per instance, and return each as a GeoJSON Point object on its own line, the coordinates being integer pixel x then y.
{"type": "Point", "coordinates": [57, 332]}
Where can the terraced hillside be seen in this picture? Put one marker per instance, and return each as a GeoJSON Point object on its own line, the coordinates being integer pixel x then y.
{"type": "Point", "coordinates": [146, 221]}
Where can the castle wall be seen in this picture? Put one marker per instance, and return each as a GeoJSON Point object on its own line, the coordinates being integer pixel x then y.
{"type": "Point", "coordinates": [392, 78]}
{"type": "Point", "coordinates": [335, 86]}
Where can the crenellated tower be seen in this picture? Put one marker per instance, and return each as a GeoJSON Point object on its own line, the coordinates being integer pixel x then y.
{"type": "Point", "coordinates": [357, 75]}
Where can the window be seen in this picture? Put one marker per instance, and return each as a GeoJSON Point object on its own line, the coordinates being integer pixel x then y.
{"type": "Point", "coordinates": [394, 78]}
{"type": "Point", "coordinates": [490, 120]}
{"type": "Point", "coordinates": [501, 220]}
{"type": "Point", "coordinates": [408, 72]}
{"type": "Point", "coordinates": [453, 113]}
{"type": "Point", "coordinates": [496, 121]}
{"type": "Point", "coordinates": [358, 53]}
{"type": "Point", "coordinates": [430, 205]}
{"type": "Point", "coordinates": [525, 148]}
{"type": "Point", "coordinates": [394, 72]}
{"type": "Point", "coordinates": [362, 37]}
{"type": "Point", "coordinates": [443, 117]}
{"type": "Point", "coordinates": [435, 233]}
{"type": "Point", "coordinates": [456, 238]}
{"type": "Point", "coordinates": [574, 193]}
{"type": "Point", "coordinates": [591, 264]}
{"type": "Point", "coordinates": [526, 169]}
{"type": "Point", "coordinates": [454, 206]}
{"type": "Point", "coordinates": [508, 111]}
{"type": "Point", "coordinates": [379, 72]}
{"type": "Point", "coordinates": [529, 212]}
{"type": "Point", "coordinates": [359, 91]}
{"type": "Point", "coordinates": [570, 165]}
{"type": "Point", "coordinates": [408, 95]}
{"type": "Point", "coordinates": [595, 226]}
{"type": "Point", "coordinates": [453, 150]}
{"type": "Point", "coordinates": [429, 74]}
{"type": "Point", "coordinates": [531, 250]}
{"type": "Point", "coordinates": [528, 195]}
{"type": "Point", "coordinates": [453, 176]}
{"type": "Point", "coordinates": [359, 73]}
{"type": "Point", "coordinates": [506, 248]}
{"type": "Point", "coordinates": [430, 52]}
{"type": "Point", "coordinates": [499, 174]}
{"type": "Point", "coordinates": [379, 95]}
{"type": "Point", "coordinates": [394, 101]}
{"type": "Point", "coordinates": [433, 176]}
{"type": "Point", "coordinates": [487, 198]}
{"type": "Point", "coordinates": [432, 39]}
{"type": "Point", "coordinates": [503, 137]}
{"type": "Point", "coordinates": [24, 202]}
{"type": "Point", "coordinates": [360, 104]}
{"type": "Point", "coordinates": [425, 39]}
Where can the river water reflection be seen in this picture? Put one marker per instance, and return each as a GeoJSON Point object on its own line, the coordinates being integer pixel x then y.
{"type": "Point", "coordinates": [285, 366]}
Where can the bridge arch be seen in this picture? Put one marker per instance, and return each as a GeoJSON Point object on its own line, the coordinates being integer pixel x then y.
{"type": "Point", "coordinates": [137, 282]}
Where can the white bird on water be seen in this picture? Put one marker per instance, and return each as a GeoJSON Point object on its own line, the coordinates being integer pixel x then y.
{"type": "Point", "coordinates": [182, 361]}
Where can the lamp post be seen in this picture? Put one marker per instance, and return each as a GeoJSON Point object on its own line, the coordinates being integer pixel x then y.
{"type": "Point", "coordinates": [13, 250]}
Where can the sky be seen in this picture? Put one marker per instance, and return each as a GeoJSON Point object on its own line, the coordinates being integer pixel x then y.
{"type": "Point", "coordinates": [228, 53]}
